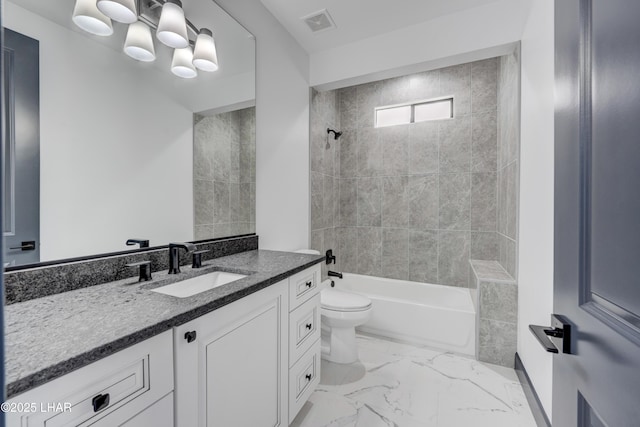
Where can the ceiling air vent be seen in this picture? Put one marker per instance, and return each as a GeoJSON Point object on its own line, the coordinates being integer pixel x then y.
{"type": "Point", "coordinates": [319, 21]}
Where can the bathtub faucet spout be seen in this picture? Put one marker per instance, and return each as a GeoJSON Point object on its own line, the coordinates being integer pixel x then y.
{"type": "Point", "coordinates": [334, 274]}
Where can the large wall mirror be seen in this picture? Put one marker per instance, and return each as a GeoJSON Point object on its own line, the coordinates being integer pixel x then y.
{"type": "Point", "coordinates": [100, 148]}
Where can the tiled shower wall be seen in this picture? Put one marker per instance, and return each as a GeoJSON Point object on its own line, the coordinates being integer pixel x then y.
{"type": "Point", "coordinates": [508, 160]}
{"type": "Point", "coordinates": [224, 174]}
{"type": "Point", "coordinates": [415, 201]}
{"type": "Point", "coordinates": [325, 169]}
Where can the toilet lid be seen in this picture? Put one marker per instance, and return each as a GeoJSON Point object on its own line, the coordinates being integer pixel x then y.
{"type": "Point", "coordinates": [332, 299]}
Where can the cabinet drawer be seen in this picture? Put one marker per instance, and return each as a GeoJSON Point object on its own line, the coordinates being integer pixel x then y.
{"type": "Point", "coordinates": [123, 384]}
{"type": "Point", "coordinates": [304, 376]}
{"type": "Point", "coordinates": [120, 383]}
{"type": "Point", "coordinates": [304, 328]}
{"type": "Point", "coordinates": [303, 285]}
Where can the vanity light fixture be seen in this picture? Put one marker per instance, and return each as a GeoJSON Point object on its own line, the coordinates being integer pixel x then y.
{"type": "Point", "coordinates": [182, 63]}
{"type": "Point", "coordinates": [172, 28]}
{"type": "Point", "coordinates": [205, 57]}
{"type": "Point", "coordinates": [87, 16]}
{"type": "Point", "coordinates": [139, 42]}
{"type": "Point", "coordinates": [119, 10]}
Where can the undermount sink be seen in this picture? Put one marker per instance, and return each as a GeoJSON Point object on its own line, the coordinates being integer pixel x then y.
{"type": "Point", "coordinates": [199, 284]}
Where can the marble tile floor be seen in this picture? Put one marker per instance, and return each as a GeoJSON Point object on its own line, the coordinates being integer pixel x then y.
{"type": "Point", "coordinates": [403, 385]}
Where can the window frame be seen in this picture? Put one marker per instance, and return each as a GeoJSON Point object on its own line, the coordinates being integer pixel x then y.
{"type": "Point", "coordinates": [413, 105]}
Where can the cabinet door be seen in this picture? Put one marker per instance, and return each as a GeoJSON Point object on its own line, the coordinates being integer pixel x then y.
{"type": "Point", "coordinates": [234, 373]}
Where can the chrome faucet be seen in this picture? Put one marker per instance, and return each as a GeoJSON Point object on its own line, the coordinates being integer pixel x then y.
{"type": "Point", "coordinates": [174, 255]}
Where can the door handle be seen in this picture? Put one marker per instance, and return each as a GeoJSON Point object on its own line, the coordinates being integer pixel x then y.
{"type": "Point", "coordinates": [26, 246]}
{"type": "Point", "coordinates": [554, 339]}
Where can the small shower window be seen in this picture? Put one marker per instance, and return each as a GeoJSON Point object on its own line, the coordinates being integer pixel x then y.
{"type": "Point", "coordinates": [437, 109]}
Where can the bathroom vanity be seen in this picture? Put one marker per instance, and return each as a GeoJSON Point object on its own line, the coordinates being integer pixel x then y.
{"type": "Point", "coordinates": [244, 353]}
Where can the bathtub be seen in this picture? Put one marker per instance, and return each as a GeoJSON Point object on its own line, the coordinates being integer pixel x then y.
{"type": "Point", "coordinates": [419, 313]}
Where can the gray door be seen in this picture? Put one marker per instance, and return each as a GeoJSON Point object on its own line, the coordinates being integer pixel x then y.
{"type": "Point", "coordinates": [597, 212]}
{"type": "Point", "coordinates": [21, 144]}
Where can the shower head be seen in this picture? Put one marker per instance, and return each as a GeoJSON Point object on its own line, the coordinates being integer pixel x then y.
{"type": "Point", "coordinates": [336, 134]}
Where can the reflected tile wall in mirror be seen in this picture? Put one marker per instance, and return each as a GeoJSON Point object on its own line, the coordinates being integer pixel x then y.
{"type": "Point", "coordinates": [224, 174]}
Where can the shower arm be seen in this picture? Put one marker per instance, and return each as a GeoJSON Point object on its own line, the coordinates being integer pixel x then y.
{"type": "Point", "coordinates": [336, 134]}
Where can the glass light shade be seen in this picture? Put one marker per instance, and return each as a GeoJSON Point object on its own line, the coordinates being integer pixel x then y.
{"type": "Point", "coordinates": [172, 28]}
{"type": "Point", "coordinates": [119, 10]}
{"type": "Point", "coordinates": [182, 64]}
{"type": "Point", "coordinates": [205, 57]}
{"type": "Point", "coordinates": [87, 16]}
{"type": "Point", "coordinates": [139, 43]}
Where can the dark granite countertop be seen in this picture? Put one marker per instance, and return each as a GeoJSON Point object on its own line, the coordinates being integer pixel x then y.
{"type": "Point", "coordinates": [48, 337]}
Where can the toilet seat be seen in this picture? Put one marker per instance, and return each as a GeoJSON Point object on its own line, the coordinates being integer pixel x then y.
{"type": "Point", "coordinates": [334, 300]}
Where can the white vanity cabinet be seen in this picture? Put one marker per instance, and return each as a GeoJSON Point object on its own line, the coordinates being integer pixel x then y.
{"type": "Point", "coordinates": [304, 337]}
{"type": "Point", "coordinates": [254, 362]}
{"type": "Point", "coordinates": [124, 389]}
{"type": "Point", "coordinates": [231, 364]}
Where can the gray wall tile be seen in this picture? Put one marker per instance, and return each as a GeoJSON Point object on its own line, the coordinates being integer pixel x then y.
{"type": "Point", "coordinates": [395, 91]}
{"type": "Point", "coordinates": [456, 81]}
{"type": "Point", "coordinates": [245, 202]}
{"type": "Point", "coordinates": [395, 201]}
{"type": "Point", "coordinates": [455, 145]}
{"type": "Point", "coordinates": [234, 202]}
{"type": "Point", "coordinates": [203, 207]}
{"type": "Point", "coordinates": [483, 201]}
{"type": "Point", "coordinates": [508, 254]}
{"type": "Point", "coordinates": [370, 202]}
{"type": "Point", "coordinates": [369, 153]}
{"type": "Point", "coordinates": [453, 259]}
{"type": "Point", "coordinates": [484, 85]}
{"type": "Point", "coordinates": [368, 98]}
{"type": "Point", "coordinates": [348, 143]}
{"type": "Point", "coordinates": [348, 108]}
{"type": "Point", "coordinates": [203, 232]}
{"type": "Point", "coordinates": [497, 342]}
{"type": "Point", "coordinates": [220, 202]}
{"type": "Point", "coordinates": [423, 148]}
{"type": "Point", "coordinates": [484, 148]}
{"type": "Point", "coordinates": [328, 202]}
{"type": "Point", "coordinates": [425, 85]}
{"type": "Point", "coordinates": [348, 202]}
{"type": "Point", "coordinates": [347, 252]}
{"type": "Point", "coordinates": [317, 211]}
{"type": "Point", "coordinates": [394, 143]}
{"type": "Point", "coordinates": [455, 207]}
{"type": "Point", "coordinates": [423, 256]}
{"type": "Point", "coordinates": [435, 183]}
{"type": "Point", "coordinates": [498, 301]}
{"type": "Point", "coordinates": [369, 251]}
{"type": "Point", "coordinates": [484, 245]}
{"type": "Point", "coordinates": [224, 154]}
{"type": "Point", "coordinates": [511, 202]}
{"type": "Point", "coordinates": [395, 253]}
{"type": "Point", "coordinates": [423, 202]}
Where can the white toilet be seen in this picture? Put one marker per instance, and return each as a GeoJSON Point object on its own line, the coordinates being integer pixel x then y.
{"type": "Point", "coordinates": [340, 312]}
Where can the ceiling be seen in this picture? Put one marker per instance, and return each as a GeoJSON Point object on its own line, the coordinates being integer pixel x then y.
{"type": "Point", "coordinates": [359, 19]}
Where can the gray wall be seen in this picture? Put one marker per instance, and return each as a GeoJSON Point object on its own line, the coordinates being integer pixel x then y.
{"type": "Point", "coordinates": [224, 174]}
{"type": "Point", "coordinates": [416, 201]}
{"type": "Point", "coordinates": [508, 160]}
